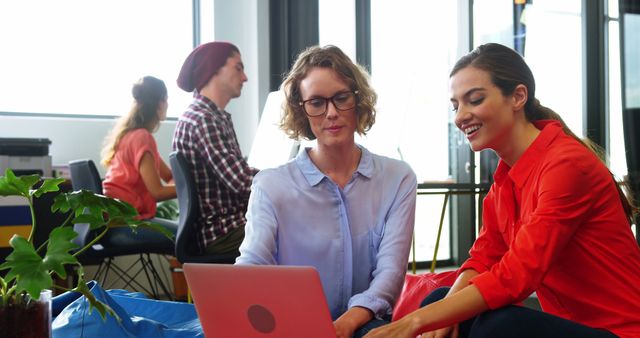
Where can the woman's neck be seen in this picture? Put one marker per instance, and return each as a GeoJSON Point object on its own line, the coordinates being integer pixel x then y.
{"type": "Point", "coordinates": [338, 163]}
{"type": "Point", "coordinates": [522, 136]}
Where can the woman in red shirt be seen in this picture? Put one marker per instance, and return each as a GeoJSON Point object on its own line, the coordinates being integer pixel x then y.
{"type": "Point", "coordinates": [135, 170]}
{"type": "Point", "coordinates": [554, 222]}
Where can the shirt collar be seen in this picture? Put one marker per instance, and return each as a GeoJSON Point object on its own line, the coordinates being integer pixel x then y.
{"type": "Point", "coordinates": [313, 175]}
{"type": "Point", "coordinates": [205, 101]}
{"type": "Point", "coordinates": [549, 130]}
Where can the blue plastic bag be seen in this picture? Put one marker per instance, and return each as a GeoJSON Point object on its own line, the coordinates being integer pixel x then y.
{"type": "Point", "coordinates": [139, 315]}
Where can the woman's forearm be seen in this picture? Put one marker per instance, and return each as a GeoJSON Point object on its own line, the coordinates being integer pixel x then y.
{"type": "Point", "coordinates": [455, 308]}
{"type": "Point", "coordinates": [462, 281]}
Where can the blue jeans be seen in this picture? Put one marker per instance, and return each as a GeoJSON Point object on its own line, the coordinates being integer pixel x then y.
{"type": "Point", "coordinates": [519, 322]}
{"type": "Point", "coordinates": [370, 325]}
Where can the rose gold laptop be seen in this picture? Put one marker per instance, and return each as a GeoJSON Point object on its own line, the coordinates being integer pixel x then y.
{"type": "Point", "coordinates": [259, 301]}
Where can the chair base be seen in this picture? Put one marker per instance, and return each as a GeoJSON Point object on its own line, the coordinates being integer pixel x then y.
{"type": "Point", "coordinates": [127, 278]}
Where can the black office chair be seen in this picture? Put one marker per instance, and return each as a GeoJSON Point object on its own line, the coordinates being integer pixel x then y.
{"type": "Point", "coordinates": [186, 247]}
{"type": "Point", "coordinates": [120, 241]}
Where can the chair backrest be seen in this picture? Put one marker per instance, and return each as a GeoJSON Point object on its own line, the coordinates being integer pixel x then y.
{"type": "Point", "coordinates": [188, 206]}
{"type": "Point", "coordinates": [84, 175]}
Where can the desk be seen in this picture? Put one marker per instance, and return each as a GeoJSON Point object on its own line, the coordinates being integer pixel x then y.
{"type": "Point", "coordinates": [447, 189]}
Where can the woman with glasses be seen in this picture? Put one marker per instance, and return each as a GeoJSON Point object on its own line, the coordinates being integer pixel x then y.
{"type": "Point", "coordinates": [555, 222]}
{"type": "Point", "coordinates": [337, 207]}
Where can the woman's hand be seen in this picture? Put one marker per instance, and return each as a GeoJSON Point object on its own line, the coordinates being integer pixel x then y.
{"type": "Point", "coordinates": [351, 320]}
{"type": "Point", "coordinates": [343, 328]}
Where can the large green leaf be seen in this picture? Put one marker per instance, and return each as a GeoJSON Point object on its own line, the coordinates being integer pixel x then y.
{"type": "Point", "coordinates": [26, 266]}
{"type": "Point", "coordinates": [94, 221]}
{"type": "Point", "coordinates": [49, 185]}
{"type": "Point", "coordinates": [31, 271]}
{"type": "Point", "coordinates": [10, 185]}
{"type": "Point", "coordinates": [58, 250]}
{"type": "Point", "coordinates": [60, 203]}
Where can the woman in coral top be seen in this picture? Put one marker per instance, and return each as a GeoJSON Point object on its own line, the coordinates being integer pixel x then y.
{"type": "Point", "coordinates": [135, 171]}
{"type": "Point", "coordinates": [554, 222]}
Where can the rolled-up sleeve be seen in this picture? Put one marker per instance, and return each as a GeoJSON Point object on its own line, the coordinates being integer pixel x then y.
{"type": "Point", "coordinates": [489, 247]}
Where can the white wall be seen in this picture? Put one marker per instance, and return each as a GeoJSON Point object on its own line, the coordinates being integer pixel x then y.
{"type": "Point", "coordinates": [245, 24]}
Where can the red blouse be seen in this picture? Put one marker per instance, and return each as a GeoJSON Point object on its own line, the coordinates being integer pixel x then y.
{"type": "Point", "coordinates": [554, 224]}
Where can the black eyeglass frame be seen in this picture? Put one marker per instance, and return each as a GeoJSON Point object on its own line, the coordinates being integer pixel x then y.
{"type": "Point", "coordinates": [326, 102]}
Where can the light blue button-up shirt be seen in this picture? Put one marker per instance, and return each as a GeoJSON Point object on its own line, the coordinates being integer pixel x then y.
{"type": "Point", "coordinates": [358, 238]}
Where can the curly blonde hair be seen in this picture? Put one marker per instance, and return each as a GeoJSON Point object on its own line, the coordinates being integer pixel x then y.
{"type": "Point", "coordinates": [294, 121]}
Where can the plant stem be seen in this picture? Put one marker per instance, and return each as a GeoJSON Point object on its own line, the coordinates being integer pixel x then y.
{"type": "Point", "coordinates": [61, 288]}
{"type": "Point", "coordinates": [33, 219]}
{"type": "Point", "coordinates": [94, 241]}
{"type": "Point", "coordinates": [69, 218]}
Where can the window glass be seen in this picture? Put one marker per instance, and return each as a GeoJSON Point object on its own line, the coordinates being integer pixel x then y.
{"type": "Point", "coordinates": [632, 60]}
{"type": "Point", "coordinates": [493, 22]}
{"type": "Point", "coordinates": [617, 157]}
{"type": "Point", "coordinates": [413, 119]}
{"type": "Point", "coordinates": [553, 43]}
{"type": "Point", "coordinates": [613, 9]}
{"type": "Point", "coordinates": [207, 23]}
{"type": "Point", "coordinates": [82, 57]}
{"type": "Point", "coordinates": [337, 25]}
{"type": "Point", "coordinates": [554, 53]}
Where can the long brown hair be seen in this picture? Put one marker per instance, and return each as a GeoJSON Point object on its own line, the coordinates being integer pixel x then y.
{"type": "Point", "coordinates": [507, 70]}
{"type": "Point", "coordinates": [148, 93]}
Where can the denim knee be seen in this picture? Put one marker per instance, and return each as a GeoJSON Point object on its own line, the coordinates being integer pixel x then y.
{"type": "Point", "coordinates": [435, 296]}
{"type": "Point", "coordinates": [497, 324]}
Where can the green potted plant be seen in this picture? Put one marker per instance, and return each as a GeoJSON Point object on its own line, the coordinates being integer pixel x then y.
{"type": "Point", "coordinates": [30, 270]}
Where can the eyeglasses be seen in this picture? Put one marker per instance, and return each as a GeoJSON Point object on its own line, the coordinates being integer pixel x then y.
{"type": "Point", "coordinates": [318, 106]}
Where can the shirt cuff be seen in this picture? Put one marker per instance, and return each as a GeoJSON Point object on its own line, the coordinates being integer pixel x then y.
{"type": "Point", "coordinates": [493, 293]}
{"type": "Point", "coordinates": [473, 265]}
{"type": "Point", "coordinates": [379, 307]}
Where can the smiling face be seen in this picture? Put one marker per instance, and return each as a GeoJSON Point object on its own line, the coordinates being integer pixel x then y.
{"type": "Point", "coordinates": [335, 127]}
{"type": "Point", "coordinates": [483, 113]}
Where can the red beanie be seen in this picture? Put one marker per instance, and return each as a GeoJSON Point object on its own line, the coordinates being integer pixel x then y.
{"type": "Point", "coordinates": [203, 63]}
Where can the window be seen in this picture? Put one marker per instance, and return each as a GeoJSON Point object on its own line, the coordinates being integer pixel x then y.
{"type": "Point", "coordinates": [410, 61]}
{"type": "Point", "coordinates": [553, 46]}
{"type": "Point", "coordinates": [82, 57]}
{"type": "Point", "coordinates": [553, 43]}
{"type": "Point", "coordinates": [337, 25]}
{"type": "Point", "coordinates": [617, 157]}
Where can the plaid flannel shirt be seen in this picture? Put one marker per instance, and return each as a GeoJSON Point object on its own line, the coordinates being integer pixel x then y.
{"type": "Point", "coordinates": [205, 135]}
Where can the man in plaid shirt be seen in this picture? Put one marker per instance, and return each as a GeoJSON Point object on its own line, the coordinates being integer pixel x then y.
{"type": "Point", "coordinates": [214, 72]}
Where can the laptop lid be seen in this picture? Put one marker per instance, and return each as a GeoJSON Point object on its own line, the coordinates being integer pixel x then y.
{"type": "Point", "coordinates": [259, 301]}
